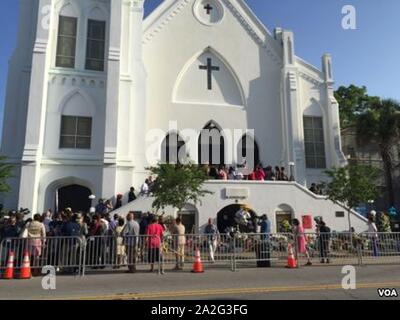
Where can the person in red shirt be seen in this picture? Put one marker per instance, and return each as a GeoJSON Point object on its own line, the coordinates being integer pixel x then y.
{"type": "Point", "coordinates": [259, 174]}
{"type": "Point", "coordinates": [155, 233]}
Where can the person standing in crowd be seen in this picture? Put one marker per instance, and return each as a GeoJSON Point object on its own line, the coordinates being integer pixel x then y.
{"type": "Point", "coordinates": [155, 233]}
{"type": "Point", "coordinates": [259, 173]}
{"type": "Point", "coordinates": [265, 225]}
{"type": "Point", "coordinates": [284, 177]}
{"type": "Point", "coordinates": [11, 228]}
{"type": "Point", "coordinates": [114, 222]}
{"type": "Point", "coordinates": [324, 238]}
{"type": "Point", "coordinates": [179, 232]}
{"type": "Point", "coordinates": [100, 207]}
{"type": "Point", "coordinates": [130, 233]}
{"type": "Point", "coordinates": [269, 174]}
{"type": "Point", "coordinates": [372, 233]}
{"type": "Point", "coordinates": [144, 189]}
{"type": "Point", "coordinates": [314, 189]}
{"type": "Point", "coordinates": [211, 231]}
{"type": "Point", "coordinates": [97, 246]}
{"type": "Point", "coordinates": [118, 203]}
{"type": "Point", "coordinates": [222, 175]}
{"type": "Point", "coordinates": [47, 219]}
{"type": "Point", "coordinates": [36, 234]}
{"type": "Point", "coordinates": [301, 240]}
{"type": "Point", "coordinates": [120, 242]}
{"type": "Point", "coordinates": [144, 222]}
{"type": "Point", "coordinates": [231, 174]}
{"type": "Point", "coordinates": [278, 175]}
{"type": "Point", "coordinates": [131, 196]}
{"type": "Point", "coordinates": [162, 223]}
{"type": "Point", "coordinates": [108, 207]}
{"type": "Point", "coordinates": [383, 222]}
{"type": "Point", "coordinates": [213, 173]}
{"type": "Point", "coordinates": [151, 184]}
{"type": "Point", "coordinates": [72, 229]}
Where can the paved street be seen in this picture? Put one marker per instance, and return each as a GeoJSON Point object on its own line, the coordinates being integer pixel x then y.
{"type": "Point", "coordinates": [276, 283]}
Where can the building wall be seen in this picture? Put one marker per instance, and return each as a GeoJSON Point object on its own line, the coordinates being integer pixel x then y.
{"type": "Point", "coordinates": [263, 198]}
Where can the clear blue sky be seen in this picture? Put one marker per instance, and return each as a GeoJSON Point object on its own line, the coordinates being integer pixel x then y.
{"type": "Point", "coordinates": [367, 56]}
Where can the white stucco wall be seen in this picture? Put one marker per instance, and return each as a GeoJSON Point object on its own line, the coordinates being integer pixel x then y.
{"type": "Point", "coordinates": [264, 198]}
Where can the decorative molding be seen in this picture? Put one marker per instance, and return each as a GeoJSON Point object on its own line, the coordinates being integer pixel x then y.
{"type": "Point", "coordinates": [40, 46]}
{"type": "Point", "coordinates": [76, 79]}
{"type": "Point", "coordinates": [159, 25]}
{"type": "Point", "coordinates": [114, 54]}
{"type": "Point", "coordinates": [308, 77]}
{"type": "Point", "coordinates": [277, 59]}
{"type": "Point", "coordinates": [292, 80]}
{"type": "Point", "coordinates": [163, 21]}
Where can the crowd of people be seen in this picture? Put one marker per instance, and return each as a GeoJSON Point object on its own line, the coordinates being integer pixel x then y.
{"type": "Point", "coordinates": [243, 172]}
{"type": "Point", "coordinates": [141, 238]}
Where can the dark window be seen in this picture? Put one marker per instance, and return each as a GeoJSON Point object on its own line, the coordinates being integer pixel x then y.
{"type": "Point", "coordinates": [66, 44]}
{"type": "Point", "coordinates": [314, 143]}
{"type": "Point", "coordinates": [173, 150]}
{"type": "Point", "coordinates": [96, 39]}
{"type": "Point", "coordinates": [76, 132]}
{"type": "Point", "coordinates": [339, 214]}
{"type": "Point", "coordinates": [211, 146]}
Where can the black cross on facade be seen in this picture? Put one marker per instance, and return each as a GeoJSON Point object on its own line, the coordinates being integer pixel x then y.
{"type": "Point", "coordinates": [208, 8]}
{"type": "Point", "coordinates": [210, 68]}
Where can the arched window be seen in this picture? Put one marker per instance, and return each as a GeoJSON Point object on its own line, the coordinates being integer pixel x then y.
{"type": "Point", "coordinates": [248, 151]}
{"type": "Point", "coordinates": [173, 149]}
{"type": "Point", "coordinates": [211, 145]}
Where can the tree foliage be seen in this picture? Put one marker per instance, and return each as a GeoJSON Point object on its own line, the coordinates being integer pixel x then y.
{"type": "Point", "coordinates": [177, 185]}
{"type": "Point", "coordinates": [6, 170]}
{"type": "Point", "coordinates": [380, 125]}
{"type": "Point", "coordinates": [352, 101]}
{"type": "Point", "coordinates": [352, 185]}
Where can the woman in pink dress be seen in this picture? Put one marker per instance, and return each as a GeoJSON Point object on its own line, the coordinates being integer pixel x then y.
{"type": "Point", "coordinates": [301, 240]}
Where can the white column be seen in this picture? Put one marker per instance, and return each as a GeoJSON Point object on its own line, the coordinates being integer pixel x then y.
{"type": "Point", "coordinates": [112, 101]}
{"type": "Point", "coordinates": [138, 92]}
{"type": "Point", "coordinates": [291, 111]}
{"type": "Point", "coordinates": [36, 117]}
{"type": "Point", "coordinates": [337, 157]}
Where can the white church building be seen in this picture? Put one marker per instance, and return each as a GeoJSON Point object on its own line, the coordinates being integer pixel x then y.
{"type": "Point", "coordinates": [90, 81]}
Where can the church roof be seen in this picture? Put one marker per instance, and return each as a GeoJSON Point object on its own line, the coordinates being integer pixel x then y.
{"type": "Point", "coordinates": [167, 9]}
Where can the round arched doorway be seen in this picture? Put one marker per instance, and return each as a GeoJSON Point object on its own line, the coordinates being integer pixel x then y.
{"type": "Point", "coordinates": [227, 218]}
{"type": "Point", "coordinates": [73, 196]}
{"type": "Point", "coordinates": [284, 214]}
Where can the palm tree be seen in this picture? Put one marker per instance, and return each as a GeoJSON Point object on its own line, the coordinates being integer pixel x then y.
{"type": "Point", "coordinates": [380, 124]}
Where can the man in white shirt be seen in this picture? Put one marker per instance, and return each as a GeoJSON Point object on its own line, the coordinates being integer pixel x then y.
{"type": "Point", "coordinates": [144, 189]}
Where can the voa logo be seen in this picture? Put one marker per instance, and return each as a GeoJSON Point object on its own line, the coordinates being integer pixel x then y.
{"type": "Point", "coordinates": [388, 293]}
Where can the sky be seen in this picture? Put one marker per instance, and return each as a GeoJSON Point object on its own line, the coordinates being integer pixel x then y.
{"type": "Point", "coordinates": [368, 55]}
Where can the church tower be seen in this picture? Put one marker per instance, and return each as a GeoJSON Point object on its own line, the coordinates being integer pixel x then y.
{"type": "Point", "coordinates": [74, 113]}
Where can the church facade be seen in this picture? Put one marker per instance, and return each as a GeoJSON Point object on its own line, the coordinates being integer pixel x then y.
{"type": "Point", "coordinates": [92, 83]}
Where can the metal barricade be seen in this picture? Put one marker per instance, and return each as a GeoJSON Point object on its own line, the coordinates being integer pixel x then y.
{"type": "Point", "coordinates": [115, 252]}
{"type": "Point", "coordinates": [63, 253]}
{"type": "Point", "coordinates": [338, 248]}
{"type": "Point", "coordinates": [214, 249]}
{"type": "Point", "coordinates": [261, 249]}
{"type": "Point", "coordinates": [379, 248]}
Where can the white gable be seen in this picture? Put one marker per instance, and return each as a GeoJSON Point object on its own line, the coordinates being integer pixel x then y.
{"type": "Point", "coordinates": [193, 84]}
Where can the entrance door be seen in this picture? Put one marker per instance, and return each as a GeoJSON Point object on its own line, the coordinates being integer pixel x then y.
{"type": "Point", "coordinates": [188, 220]}
{"type": "Point", "coordinates": [75, 197]}
{"type": "Point", "coordinates": [283, 219]}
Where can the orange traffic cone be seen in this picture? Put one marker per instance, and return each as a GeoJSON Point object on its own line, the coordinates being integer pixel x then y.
{"type": "Point", "coordinates": [26, 267]}
{"type": "Point", "coordinates": [291, 260]}
{"type": "Point", "coordinates": [9, 272]}
{"type": "Point", "coordinates": [198, 265]}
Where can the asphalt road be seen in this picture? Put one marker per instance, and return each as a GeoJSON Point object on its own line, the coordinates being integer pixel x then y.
{"type": "Point", "coordinates": [314, 282]}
